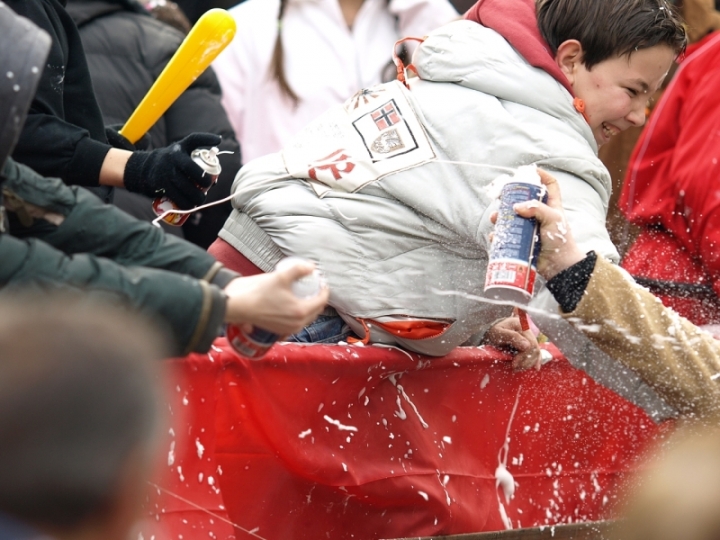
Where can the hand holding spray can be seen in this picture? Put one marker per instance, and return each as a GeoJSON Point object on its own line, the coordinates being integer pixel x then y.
{"type": "Point", "coordinates": [207, 160]}
{"type": "Point", "coordinates": [256, 343]}
{"type": "Point", "coordinates": [516, 243]}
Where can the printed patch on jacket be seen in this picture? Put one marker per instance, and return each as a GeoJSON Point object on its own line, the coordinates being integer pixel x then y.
{"type": "Point", "coordinates": [385, 132]}
{"type": "Point", "coordinates": [374, 134]}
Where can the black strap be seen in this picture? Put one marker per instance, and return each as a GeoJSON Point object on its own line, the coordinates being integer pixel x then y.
{"type": "Point", "coordinates": [679, 289]}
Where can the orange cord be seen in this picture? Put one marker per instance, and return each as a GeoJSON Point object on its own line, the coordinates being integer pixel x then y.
{"type": "Point", "coordinates": [399, 63]}
{"type": "Point", "coordinates": [579, 105]}
{"type": "Point", "coordinates": [364, 340]}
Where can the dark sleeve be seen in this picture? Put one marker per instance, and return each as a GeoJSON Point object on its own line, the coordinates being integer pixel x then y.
{"type": "Point", "coordinates": [192, 309]}
{"type": "Point", "coordinates": [568, 286]}
{"type": "Point", "coordinates": [64, 133]}
{"type": "Point", "coordinates": [94, 227]}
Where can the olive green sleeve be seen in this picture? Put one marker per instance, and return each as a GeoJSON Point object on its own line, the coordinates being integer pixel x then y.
{"type": "Point", "coordinates": [192, 310]}
{"type": "Point", "coordinates": [89, 226]}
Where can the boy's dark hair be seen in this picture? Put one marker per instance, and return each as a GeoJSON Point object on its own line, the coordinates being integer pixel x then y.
{"type": "Point", "coordinates": [78, 396]}
{"type": "Point", "coordinates": [610, 28]}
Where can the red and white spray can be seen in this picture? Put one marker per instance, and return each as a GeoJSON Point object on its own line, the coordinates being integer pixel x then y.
{"type": "Point", "coordinates": [207, 160]}
{"type": "Point", "coordinates": [257, 343]}
{"type": "Point", "coordinates": [513, 254]}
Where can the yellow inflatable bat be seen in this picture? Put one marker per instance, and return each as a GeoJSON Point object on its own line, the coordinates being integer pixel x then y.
{"type": "Point", "coordinates": [210, 35]}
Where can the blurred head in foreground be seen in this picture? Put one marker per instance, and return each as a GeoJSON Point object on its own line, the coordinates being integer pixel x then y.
{"type": "Point", "coordinates": [79, 412]}
{"type": "Point", "coordinates": [678, 497]}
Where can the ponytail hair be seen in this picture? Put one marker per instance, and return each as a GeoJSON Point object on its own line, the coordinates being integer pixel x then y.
{"type": "Point", "coordinates": [277, 64]}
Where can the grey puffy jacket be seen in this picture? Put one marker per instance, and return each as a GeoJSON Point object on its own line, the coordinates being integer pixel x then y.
{"type": "Point", "coordinates": [388, 192]}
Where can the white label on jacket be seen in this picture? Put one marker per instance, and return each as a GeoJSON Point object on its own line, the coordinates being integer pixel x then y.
{"type": "Point", "coordinates": [374, 134]}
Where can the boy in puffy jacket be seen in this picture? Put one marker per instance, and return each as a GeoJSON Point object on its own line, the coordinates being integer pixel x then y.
{"type": "Point", "coordinates": [387, 193]}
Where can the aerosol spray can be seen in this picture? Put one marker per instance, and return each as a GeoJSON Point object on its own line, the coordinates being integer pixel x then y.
{"type": "Point", "coordinates": [256, 343]}
{"type": "Point", "coordinates": [208, 161]}
{"type": "Point", "coordinates": [516, 244]}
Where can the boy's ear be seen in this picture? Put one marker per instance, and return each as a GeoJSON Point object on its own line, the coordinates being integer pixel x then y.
{"type": "Point", "coordinates": [569, 57]}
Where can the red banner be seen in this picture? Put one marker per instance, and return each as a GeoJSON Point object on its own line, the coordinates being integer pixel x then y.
{"type": "Point", "coordinates": [368, 442]}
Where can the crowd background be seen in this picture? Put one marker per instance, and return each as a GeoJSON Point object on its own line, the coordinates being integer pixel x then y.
{"type": "Point", "coordinates": [195, 275]}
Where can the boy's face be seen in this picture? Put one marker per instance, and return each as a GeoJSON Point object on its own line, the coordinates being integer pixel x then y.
{"type": "Point", "coordinates": [616, 91]}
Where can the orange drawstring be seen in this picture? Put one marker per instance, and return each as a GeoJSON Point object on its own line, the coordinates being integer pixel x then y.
{"type": "Point", "coordinates": [579, 105]}
{"type": "Point", "coordinates": [364, 340]}
{"type": "Point", "coordinates": [399, 63]}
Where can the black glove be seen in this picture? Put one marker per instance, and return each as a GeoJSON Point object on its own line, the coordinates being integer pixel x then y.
{"type": "Point", "coordinates": [112, 132]}
{"type": "Point", "coordinates": [171, 172]}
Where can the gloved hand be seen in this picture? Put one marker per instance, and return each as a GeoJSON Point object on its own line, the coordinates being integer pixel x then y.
{"type": "Point", "coordinates": [171, 172]}
{"type": "Point", "coordinates": [112, 132]}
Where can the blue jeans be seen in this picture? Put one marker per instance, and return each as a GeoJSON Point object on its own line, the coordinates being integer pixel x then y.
{"type": "Point", "coordinates": [324, 329]}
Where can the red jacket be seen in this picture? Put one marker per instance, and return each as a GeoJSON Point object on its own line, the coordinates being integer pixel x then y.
{"type": "Point", "coordinates": [672, 189]}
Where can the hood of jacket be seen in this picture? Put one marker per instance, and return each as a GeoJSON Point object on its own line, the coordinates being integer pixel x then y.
{"type": "Point", "coordinates": [23, 50]}
{"type": "Point", "coordinates": [85, 11]}
{"type": "Point", "coordinates": [516, 21]}
{"type": "Point", "coordinates": [480, 58]}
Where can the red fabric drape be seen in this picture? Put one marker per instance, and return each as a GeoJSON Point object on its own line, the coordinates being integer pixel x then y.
{"type": "Point", "coordinates": [184, 499]}
{"type": "Point", "coordinates": [368, 442]}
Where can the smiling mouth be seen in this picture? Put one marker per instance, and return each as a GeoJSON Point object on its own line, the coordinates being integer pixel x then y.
{"type": "Point", "coordinates": [609, 131]}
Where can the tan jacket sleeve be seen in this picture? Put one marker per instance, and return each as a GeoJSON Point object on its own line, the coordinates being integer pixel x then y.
{"type": "Point", "coordinates": [676, 358]}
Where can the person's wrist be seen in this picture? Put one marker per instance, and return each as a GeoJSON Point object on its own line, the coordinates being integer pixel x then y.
{"type": "Point", "coordinates": [237, 309]}
{"type": "Point", "coordinates": [114, 166]}
{"type": "Point", "coordinates": [233, 309]}
{"type": "Point", "coordinates": [561, 260]}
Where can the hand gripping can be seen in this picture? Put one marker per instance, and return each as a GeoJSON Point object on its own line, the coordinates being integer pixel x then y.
{"type": "Point", "coordinates": [207, 160]}
{"type": "Point", "coordinates": [256, 343]}
{"type": "Point", "coordinates": [513, 254]}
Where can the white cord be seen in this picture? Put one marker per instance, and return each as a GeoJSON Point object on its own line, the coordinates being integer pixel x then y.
{"type": "Point", "coordinates": [158, 219]}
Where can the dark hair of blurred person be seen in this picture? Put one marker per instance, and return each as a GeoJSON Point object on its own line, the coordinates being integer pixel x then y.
{"type": "Point", "coordinates": [79, 411]}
